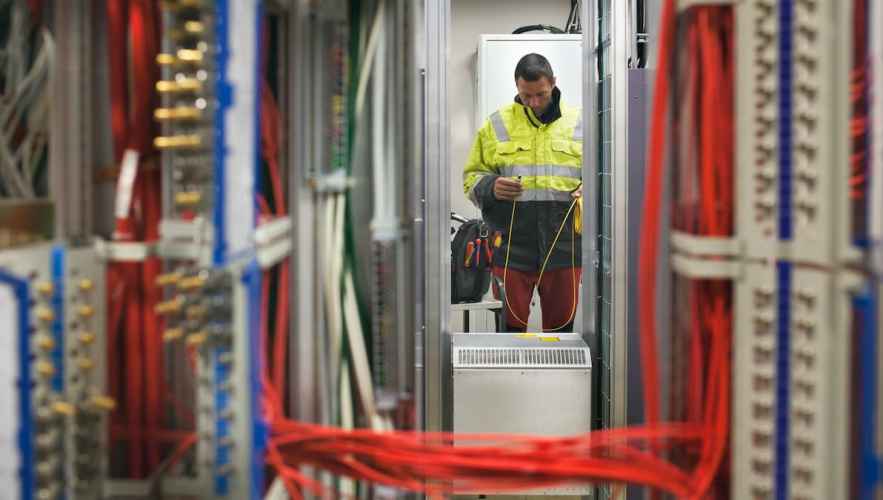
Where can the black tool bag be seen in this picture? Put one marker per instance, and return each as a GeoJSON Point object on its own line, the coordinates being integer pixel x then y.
{"type": "Point", "coordinates": [470, 271]}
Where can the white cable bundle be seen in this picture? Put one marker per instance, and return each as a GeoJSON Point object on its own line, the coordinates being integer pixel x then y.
{"type": "Point", "coordinates": [24, 104]}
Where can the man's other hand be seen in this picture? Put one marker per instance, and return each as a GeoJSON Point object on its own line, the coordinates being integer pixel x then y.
{"type": "Point", "coordinates": [507, 189]}
{"type": "Point", "coordinates": [577, 193]}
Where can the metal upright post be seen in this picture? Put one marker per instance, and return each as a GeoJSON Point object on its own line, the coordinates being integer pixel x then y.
{"type": "Point", "coordinates": [418, 206]}
{"type": "Point", "coordinates": [589, 289]}
{"type": "Point", "coordinates": [304, 397]}
{"type": "Point", "coordinates": [71, 155]}
{"type": "Point", "coordinates": [621, 217]}
{"type": "Point", "coordinates": [437, 211]}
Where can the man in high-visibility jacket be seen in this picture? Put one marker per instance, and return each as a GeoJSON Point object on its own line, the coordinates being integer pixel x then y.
{"type": "Point", "coordinates": [524, 173]}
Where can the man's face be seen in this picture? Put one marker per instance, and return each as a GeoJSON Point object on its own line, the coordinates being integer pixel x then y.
{"type": "Point", "coordinates": [537, 95]}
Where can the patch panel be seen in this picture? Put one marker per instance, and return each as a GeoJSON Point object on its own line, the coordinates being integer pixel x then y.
{"type": "Point", "coordinates": [203, 309]}
{"type": "Point", "coordinates": [85, 385]}
{"type": "Point", "coordinates": [794, 105]}
{"type": "Point", "coordinates": [792, 392]}
{"type": "Point", "coordinates": [188, 114]}
{"type": "Point", "coordinates": [188, 104]}
{"type": "Point", "coordinates": [754, 398]}
{"type": "Point", "coordinates": [46, 417]}
{"type": "Point", "coordinates": [64, 351]}
{"type": "Point", "coordinates": [821, 133]}
{"type": "Point", "coordinates": [793, 169]}
{"type": "Point", "coordinates": [209, 86]}
{"type": "Point", "coordinates": [208, 238]}
{"type": "Point", "coordinates": [820, 395]}
{"type": "Point", "coordinates": [757, 101]}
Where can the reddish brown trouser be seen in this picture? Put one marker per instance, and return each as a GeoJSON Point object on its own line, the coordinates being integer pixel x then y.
{"type": "Point", "coordinates": [559, 295]}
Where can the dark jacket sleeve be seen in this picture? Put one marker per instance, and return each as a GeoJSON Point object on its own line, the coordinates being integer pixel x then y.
{"type": "Point", "coordinates": [478, 174]}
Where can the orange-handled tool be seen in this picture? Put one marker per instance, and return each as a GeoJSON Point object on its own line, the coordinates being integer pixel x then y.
{"type": "Point", "coordinates": [470, 248]}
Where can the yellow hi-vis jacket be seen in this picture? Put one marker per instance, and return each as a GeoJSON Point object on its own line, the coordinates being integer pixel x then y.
{"type": "Point", "coordinates": [513, 142]}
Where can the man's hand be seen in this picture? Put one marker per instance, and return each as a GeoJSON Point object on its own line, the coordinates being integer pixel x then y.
{"type": "Point", "coordinates": [578, 192]}
{"type": "Point", "coordinates": [507, 189]}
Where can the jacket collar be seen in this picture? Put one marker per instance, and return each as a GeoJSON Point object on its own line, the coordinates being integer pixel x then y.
{"type": "Point", "coordinates": [552, 113]}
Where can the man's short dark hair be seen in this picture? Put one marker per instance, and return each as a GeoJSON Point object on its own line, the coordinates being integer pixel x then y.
{"type": "Point", "coordinates": [532, 67]}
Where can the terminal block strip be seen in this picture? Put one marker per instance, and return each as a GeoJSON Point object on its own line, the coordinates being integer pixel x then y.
{"type": "Point", "coordinates": [211, 311]}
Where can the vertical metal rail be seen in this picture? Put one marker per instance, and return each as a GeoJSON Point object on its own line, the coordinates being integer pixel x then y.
{"type": "Point", "coordinates": [409, 286]}
{"type": "Point", "coordinates": [303, 348]}
{"type": "Point", "coordinates": [620, 197]}
{"type": "Point", "coordinates": [590, 262]}
{"type": "Point", "coordinates": [71, 141]}
{"type": "Point", "coordinates": [417, 209]}
{"type": "Point", "coordinates": [437, 208]}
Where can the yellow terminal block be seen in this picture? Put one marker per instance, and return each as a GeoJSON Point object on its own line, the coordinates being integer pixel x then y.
{"type": "Point", "coordinates": [175, 86]}
{"type": "Point", "coordinates": [191, 283]}
{"type": "Point", "coordinates": [189, 85]}
{"type": "Point", "coordinates": [165, 59]}
{"type": "Point", "coordinates": [196, 312]}
{"type": "Point", "coordinates": [188, 198]}
{"type": "Point", "coordinates": [194, 27]}
{"type": "Point", "coordinates": [86, 311]}
{"type": "Point", "coordinates": [190, 55]}
{"type": "Point", "coordinates": [45, 288]}
{"type": "Point", "coordinates": [85, 364]}
{"type": "Point", "coordinates": [178, 141]}
{"type": "Point", "coordinates": [44, 314]}
{"type": "Point", "coordinates": [169, 306]}
{"type": "Point", "coordinates": [167, 279]}
{"type": "Point", "coordinates": [45, 342]}
{"type": "Point", "coordinates": [166, 86]}
{"type": "Point", "coordinates": [178, 113]}
{"type": "Point", "coordinates": [62, 408]}
{"type": "Point", "coordinates": [172, 334]}
{"type": "Point", "coordinates": [197, 339]}
{"type": "Point", "coordinates": [86, 338]}
{"type": "Point", "coordinates": [45, 369]}
{"type": "Point", "coordinates": [86, 284]}
{"type": "Point", "coordinates": [104, 403]}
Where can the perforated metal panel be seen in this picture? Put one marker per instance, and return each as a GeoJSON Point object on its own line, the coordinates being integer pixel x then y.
{"type": "Point", "coordinates": [521, 357]}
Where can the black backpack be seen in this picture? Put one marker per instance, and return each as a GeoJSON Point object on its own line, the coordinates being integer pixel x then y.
{"type": "Point", "coordinates": [470, 265]}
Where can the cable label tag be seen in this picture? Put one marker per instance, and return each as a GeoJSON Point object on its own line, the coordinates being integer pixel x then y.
{"type": "Point", "coordinates": [126, 183]}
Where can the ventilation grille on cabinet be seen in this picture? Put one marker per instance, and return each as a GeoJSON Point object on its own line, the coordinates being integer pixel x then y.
{"type": "Point", "coordinates": [521, 357]}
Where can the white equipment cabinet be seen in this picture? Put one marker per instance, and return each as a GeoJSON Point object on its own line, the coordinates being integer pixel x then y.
{"type": "Point", "coordinates": [522, 384]}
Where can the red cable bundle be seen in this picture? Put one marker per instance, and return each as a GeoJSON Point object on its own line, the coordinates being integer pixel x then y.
{"type": "Point", "coordinates": [270, 134]}
{"type": "Point", "coordinates": [859, 159]}
{"type": "Point", "coordinates": [428, 462]}
{"type": "Point", "coordinates": [132, 291]}
{"type": "Point", "coordinates": [706, 209]}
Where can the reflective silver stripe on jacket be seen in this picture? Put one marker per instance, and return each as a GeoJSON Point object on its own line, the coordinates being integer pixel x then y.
{"type": "Point", "coordinates": [541, 170]}
{"type": "Point", "coordinates": [578, 129]}
{"type": "Point", "coordinates": [499, 127]}
{"type": "Point", "coordinates": [545, 195]}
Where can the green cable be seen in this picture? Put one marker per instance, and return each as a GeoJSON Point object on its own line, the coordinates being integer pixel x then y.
{"type": "Point", "coordinates": [351, 263]}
